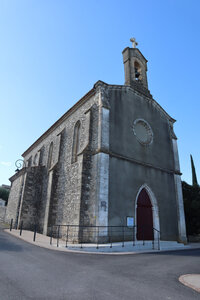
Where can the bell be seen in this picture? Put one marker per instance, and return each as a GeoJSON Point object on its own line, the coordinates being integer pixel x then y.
{"type": "Point", "coordinates": [137, 74]}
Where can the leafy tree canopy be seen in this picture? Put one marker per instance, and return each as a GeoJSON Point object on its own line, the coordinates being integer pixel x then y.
{"type": "Point", "coordinates": [4, 193]}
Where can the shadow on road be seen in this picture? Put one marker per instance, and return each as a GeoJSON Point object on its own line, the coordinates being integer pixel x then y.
{"type": "Point", "coordinates": [7, 245]}
{"type": "Point", "coordinates": [189, 252]}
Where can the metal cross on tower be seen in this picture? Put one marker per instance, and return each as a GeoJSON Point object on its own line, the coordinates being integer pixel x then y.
{"type": "Point", "coordinates": [134, 43]}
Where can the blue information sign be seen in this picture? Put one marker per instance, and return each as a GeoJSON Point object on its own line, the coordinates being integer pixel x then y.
{"type": "Point", "coordinates": [129, 221]}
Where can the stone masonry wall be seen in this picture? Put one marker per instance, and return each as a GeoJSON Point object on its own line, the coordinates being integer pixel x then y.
{"type": "Point", "coordinates": [31, 205]}
{"type": "Point", "coordinates": [14, 198]}
{"type": "Point", "coordinates": [58, 186]}
{"type": "Point", "coordinates": [91, 206]}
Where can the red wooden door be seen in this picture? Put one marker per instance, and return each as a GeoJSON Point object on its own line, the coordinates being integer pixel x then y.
{"type": "Point", "coordinates": [144, 217]}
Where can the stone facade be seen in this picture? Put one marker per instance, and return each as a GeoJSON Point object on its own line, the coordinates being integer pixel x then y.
{"type": "Point", "coordinates": [90, 166]}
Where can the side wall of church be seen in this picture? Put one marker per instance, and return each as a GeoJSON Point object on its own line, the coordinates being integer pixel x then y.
{"type": "Point", "coordinates": [60, 183]}
{"type": "Point", "coordinates": [133, 164]}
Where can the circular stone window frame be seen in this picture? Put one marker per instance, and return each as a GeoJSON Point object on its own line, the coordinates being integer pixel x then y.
{"type": "Point", "coordinates": [149, 132]}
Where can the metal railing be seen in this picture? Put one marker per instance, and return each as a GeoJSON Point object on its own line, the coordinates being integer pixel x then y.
{"type": "Point", "coordinates": [77, 234]}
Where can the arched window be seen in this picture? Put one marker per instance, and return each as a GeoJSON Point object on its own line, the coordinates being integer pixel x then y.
{"type": "Point", "coordinates": [76, 138]}
{"type": "Point", "coordinates": [50, 156]}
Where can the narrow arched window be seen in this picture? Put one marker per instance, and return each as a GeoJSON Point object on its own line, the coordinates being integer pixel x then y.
{"type": "Point", "coordinates": [76, 138]}
{"type": "Point", "coordinates": [49, 164]}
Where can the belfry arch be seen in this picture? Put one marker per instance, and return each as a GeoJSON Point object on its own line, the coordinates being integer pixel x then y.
{"type": "Point", "coordinates": [152, 203]}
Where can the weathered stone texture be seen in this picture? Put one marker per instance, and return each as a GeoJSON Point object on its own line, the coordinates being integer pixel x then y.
{"type": "Point", "coordinates": [2, 213]}
{"type": "Point", "coordinates": [14, 198]}
{"type": "Point", "coordinates": [31, 207]}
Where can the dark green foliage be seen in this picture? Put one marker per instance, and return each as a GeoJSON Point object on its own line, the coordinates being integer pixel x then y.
{"type": "Point", "coordinates": [194, 176]}
{"type": "Point", "coordinates": [4, 193]}
{"type": "Point", "coordinates": [191, 198]}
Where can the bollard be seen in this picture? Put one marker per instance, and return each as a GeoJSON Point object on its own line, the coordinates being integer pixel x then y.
{"type": "Point", "coordinates": [21, 227]}
{"type": "Point", "coordinates": [11, 224]}
{"type": "Point", "coordinates": [35, 231]}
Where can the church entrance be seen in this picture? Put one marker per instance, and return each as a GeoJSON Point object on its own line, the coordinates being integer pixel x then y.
{"type": "Point", "coordinates": [144, 217]}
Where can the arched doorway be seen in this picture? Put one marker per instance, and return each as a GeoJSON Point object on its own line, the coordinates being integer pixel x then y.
{"type": "Point", "coordinates": [144, 216]}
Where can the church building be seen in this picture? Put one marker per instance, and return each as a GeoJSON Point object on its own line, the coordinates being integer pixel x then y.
{"type": "Point", "coordinates": [110, 160]}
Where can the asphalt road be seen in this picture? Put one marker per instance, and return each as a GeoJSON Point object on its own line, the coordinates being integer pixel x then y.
{"type": "Point", "coordinates": [30, 272]}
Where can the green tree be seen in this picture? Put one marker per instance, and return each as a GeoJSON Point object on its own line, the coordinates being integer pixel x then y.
{"type": "Point", "coordinates": [4, 193]}
{"type": "Point", "coordinates": [194, 176]}
{"type": "Point", "coordinates": [191, 198]}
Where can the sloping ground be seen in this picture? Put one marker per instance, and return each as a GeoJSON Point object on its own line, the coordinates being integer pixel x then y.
{"type": "Point", "coordinates": [126, 247]}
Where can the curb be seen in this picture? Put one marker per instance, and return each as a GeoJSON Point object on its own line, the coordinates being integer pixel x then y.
{"type": "Point", "coordinates": [186, 280]}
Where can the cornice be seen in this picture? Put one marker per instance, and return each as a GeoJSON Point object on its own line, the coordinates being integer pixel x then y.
{"type": "Point", "coordinates": [135, 50]}
{"type": "Point", "coordinates": [134, 161]}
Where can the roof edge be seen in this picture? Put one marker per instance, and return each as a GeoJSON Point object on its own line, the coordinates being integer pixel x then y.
{"type": "Point", "coordinates": [80, 102]}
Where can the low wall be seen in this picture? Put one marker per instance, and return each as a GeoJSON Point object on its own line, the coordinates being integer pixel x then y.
{"type": "Point", "coordinates": [2, 213]}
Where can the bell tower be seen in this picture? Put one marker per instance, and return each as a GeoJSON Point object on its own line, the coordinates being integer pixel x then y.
{"type": "Point", "coordinates": [135, 67]}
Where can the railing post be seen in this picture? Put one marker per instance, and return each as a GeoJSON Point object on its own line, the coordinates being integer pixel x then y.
{"type": "Point", "coordinates": [58, 233]}
{"type": "Point", "coordinates": [153, 239]}
{"type": "Point", "coordinates": [81, 236]}
{"type": "Point", "coordinates": [158, 240]}
{"type": "Point", "coordinates": [67, 235]}
{"type": "Point", "coordinates": [111, 237]}
{"type": "Point", "coordinates": [123, 237]}
{"type": "Point", "coordinates": [133, 235]}
{"type": "Point", "coordinates": [51, 235]}
{"type": "Point", "coordinates": [35, 231]}
{"type": "Point", "coordinates": [97, 237]}
{"type": "Point", "coordinates": [21, 227]}
{"type": "Point", "coordinates": [11, 224]}
{"type": "Point", "coordinates": [143, 236]}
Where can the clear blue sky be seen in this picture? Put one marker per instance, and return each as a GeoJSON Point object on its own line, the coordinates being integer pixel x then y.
{"type": "Point", "coordinates": [52, 52]}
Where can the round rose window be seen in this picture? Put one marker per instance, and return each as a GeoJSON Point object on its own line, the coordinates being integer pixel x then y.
{"type": "Point", "coordinates": [142, 131]}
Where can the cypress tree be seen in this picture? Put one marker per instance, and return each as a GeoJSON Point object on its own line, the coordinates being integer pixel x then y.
{"type": "Point", "coordinates": [194, 176]}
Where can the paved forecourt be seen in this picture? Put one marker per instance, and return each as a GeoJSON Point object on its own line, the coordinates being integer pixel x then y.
{"type": "Point", "coordinates": [29, 272]}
